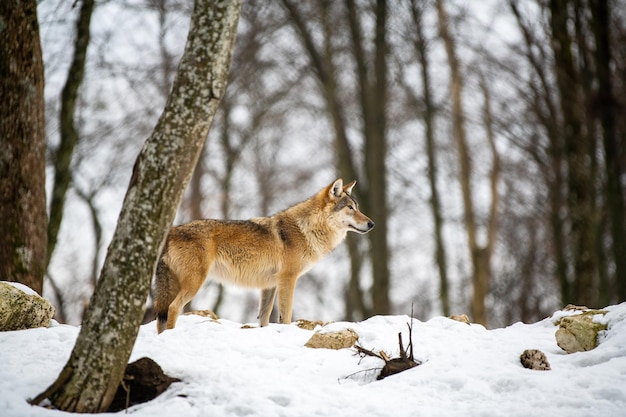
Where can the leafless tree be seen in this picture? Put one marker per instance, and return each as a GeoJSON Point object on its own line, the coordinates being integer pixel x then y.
{"type": "Point", "coordinates": [96, 366]}
{"type": "Point", "coordinates": [68, 132]}
{"type": "Point", "coordinates": [480, 255]}
{"type": "Point", "coordinates": [22, 138]}
{"type": "Point", "coordinates": [371, 87]}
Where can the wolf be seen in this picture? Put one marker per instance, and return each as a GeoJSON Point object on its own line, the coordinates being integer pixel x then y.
{"type": "Point", "coordinates": [269, 253]}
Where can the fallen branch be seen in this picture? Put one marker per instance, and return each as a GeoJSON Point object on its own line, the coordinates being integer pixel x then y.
{"type": "Point", "coordinates": [395, 365]}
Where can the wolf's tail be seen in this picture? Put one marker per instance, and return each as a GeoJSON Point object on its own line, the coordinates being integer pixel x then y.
{"type": "Point", "coordinates": [164, 293]}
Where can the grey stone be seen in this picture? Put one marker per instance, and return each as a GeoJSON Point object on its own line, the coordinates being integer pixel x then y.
{"type": "Point", "coordinates": [579, 333]}
{"type": "Point", "coordinates": [333, 340]}
{"type": "Point", "coordinates": [534, 359]}
{"type": "Point", "coordinates": [19, 310]}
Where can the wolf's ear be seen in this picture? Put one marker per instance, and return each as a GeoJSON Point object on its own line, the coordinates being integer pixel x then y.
{"type": "Point", "coordinates": [336, 189]}
{"type": "Point", "coordinates": [348, 188]}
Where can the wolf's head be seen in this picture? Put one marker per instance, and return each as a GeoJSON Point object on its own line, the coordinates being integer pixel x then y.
{"type": "Point", "coordinates": [344, 209]}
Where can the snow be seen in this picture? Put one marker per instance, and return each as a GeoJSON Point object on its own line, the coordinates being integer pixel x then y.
{"type": "Point", "coordinates": [24, 288]}
{"type": "Point", "coordinates": [226, 370]}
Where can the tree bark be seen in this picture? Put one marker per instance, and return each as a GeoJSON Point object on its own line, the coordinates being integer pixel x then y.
{"type": "Point", "coordinates": [579, 183]}
{"type": "Point", "coordinates": [162, 171]}
{"type": "Point", "coordinates": [545, 108]}
{"type": "Point", "coordinates": [485, 272]}
{"type": "Point", "coordinates": [376, 168]}
{"type": "Point", "coordinates": [477, 255]}
{"type": "Point", "coordinates": [373, 101]}
{"type": "Point", "coordinates": [429, 116]}
{"type": "Point", "coordinates": [22, 139]}
{"type": "Point", "coordinates": [601, 26]}
{"type": "Point", "coordinates": [68, 133]}
{"type": "Point", "coordinates": [322, 62]}
{"type": "Point", "coordinates": [88, 199]}
{"type": "Point", "coordinates": [356, 307]}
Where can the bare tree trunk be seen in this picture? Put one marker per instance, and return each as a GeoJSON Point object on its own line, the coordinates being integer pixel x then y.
{"type": "Point", "coordinates": [69, 134]}
{"type": "Point", "coordinates": [22, 140]}
{"type": "Point", "coordinates": [355, 306]}
{"type": "Point", "coordinates": [373, 101]}
{"type": "Point", "coordinates": [546, 111]}
{"type": "Point", "coordinates": [168, 68]}
{"type": "Point", "coordinates": [601, 26]}
{"type": "Point", "coordinates": [429, 116]}
{"type": "Point", "coordinates": [494, 179]}
{"type": "Point", "coordinates": [162, 171]}
{"type": "Point", "coordinates": [579, 183]}
{"type": "Point", "coordinates": [232, 155]}
{"type": "Point", "coordinates": [479, 256]}
{"type": "Point", "coordinates": [195, 197]}
{"type": "Point", "coordinates": [376, 169]}
{"type": "Point", "coordinates": [323, 64]}
{"type": "Point", "coordinates": [97, 229]}
{"type": "Point", "coordinates": [590, 135]}
{"type": "Point", "coordinates": [59, 314]}
{"type": "Point", "coordinates": [458, 127]}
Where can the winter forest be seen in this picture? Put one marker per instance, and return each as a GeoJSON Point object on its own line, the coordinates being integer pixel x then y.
{"type": "Point", "coordinates": [487, 141]}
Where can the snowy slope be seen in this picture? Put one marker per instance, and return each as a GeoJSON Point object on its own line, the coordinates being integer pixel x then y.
{"type": "Point", "coordinates": [230, 371]}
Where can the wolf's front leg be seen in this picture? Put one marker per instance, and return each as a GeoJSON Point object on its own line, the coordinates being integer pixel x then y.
{"type": "Point", "coordinates": [286, 289]}
{"type": "Point", "coordinates": [265, 305]}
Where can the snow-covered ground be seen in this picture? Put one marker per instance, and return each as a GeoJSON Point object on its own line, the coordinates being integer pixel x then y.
{"type": "Point", "coordinates": [229, 371]}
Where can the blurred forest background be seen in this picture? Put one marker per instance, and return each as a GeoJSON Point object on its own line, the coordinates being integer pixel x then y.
{"type": "Point", "coordinates": [487, 139]}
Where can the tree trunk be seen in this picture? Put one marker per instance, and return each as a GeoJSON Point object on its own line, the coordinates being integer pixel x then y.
{"type": "Point", "coordinates": [546, 112]}
{"type": "Point", "coordinates": [373, 101]}
{"type": "Point", "coordinates": [376, 169]}
{"type": "Point", "coordinates": [477, 255]}
{"type": "Point", "coordinates": [69, 134]}
{"type": "Point", "coordinates": [195, 197]}
{"type": "Point", "coordinates": [356, 307]}
{"type": "Point", "coordinates": [429, 116]}
{"type": "Point", "coordinates": [323, 65]}
{"type": "Point", "coordinates": [484, 272]}
{"type": "Point", "coordinates": [22, 139]}
{"type": "Point", "coordinates": [88, 199]}
{"type": "Point", "coordinates": [579, 183]}
{"type": "Point", "coordinates": [601, 25]}
{"type": "Point", "coordinates": [162, 171]}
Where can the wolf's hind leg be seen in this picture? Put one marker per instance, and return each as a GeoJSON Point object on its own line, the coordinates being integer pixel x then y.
{"type": "Point", "coordinates": [265, 305]}
{"type": "Point", "coordinates": [174, 309]}
{"type": "Point", "coordinates": [165, 290]}
{"type": "Point", "coordinates": [188, 288]}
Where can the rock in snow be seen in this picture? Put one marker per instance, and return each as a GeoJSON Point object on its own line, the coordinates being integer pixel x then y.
{"type": "Point", "coordinates": [579, 333]}
{"type": "Point", "coordinates": [535, 359]}
{"type": "Point", "coordinates": [341, 339]}
{"type": "Point", "coordinates": [22, 308]}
